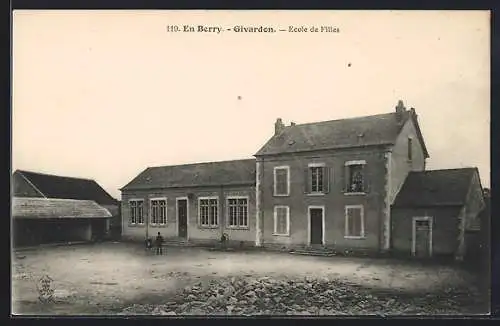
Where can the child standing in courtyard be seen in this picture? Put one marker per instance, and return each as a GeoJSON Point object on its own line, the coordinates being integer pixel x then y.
{"type": "Point", "coordinates": [159, 243]}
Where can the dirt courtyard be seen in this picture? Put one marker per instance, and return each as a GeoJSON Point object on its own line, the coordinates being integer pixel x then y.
{"type": "Point", "coordinates": [104, 278]}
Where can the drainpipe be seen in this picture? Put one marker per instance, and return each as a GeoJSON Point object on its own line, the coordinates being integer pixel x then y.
{"type": "Point", "coordinates": [222, 212]}
{"type": "Point", "coordinates": [146, 217]}
{"type": "Point", "coordinates": [258, 199]}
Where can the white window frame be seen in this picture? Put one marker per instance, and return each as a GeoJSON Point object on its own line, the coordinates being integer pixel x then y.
{"type": "Point", "coordinates": [282, 167]}
{"type": "Point", "coordinates": [208, 226]}
{"type": "Point", "coordinates": [346, 222]}
{"type": "Point", "coordinates": [151, 210]}
{"type": "Point", "coordinates": [355, 162]}
{"type": "Point", "coordinates": [228, 219]}
{"type": "Point", "coordinates": [275, 218]}
{"type": "Point", "coordinates": [322, 207]}
{"type": "Point", "coordinates": [309, 173]}
{"type": "Point", "coordinates": [129, 206]}
{"type": "Point", "coordinates": [414, 233]}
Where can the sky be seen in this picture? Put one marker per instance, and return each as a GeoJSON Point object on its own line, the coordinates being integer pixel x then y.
{"type": "Point", "coordinates": [105, 94]}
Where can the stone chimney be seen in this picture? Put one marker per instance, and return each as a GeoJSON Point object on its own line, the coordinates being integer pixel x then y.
{"type": "Point", "coordinates": [400, 109]}
{"type": "Point", "coordinates": [278, 126]}
{"type": "Point", "coordinates": [413, 112]}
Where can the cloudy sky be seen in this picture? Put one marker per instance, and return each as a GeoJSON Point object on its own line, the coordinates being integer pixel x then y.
{"type": "Point", "coordinates": [103, 95]}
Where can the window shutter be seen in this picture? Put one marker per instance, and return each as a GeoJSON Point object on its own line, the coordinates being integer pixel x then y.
{"type": "Point", "coordinates": [326, 179]}
{"type": "Point", "coordinates": [307, 182]}
{"type": "Point", "coordinates": [345, 178]}
{"type": "Point", "coordinates": [366, 183]}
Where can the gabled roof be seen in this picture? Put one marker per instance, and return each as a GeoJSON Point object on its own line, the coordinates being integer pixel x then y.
{"type": "Point", "coordinates": [54, 186]}
{"type": "Point", "coordinates": [380, 129]}
{"type": "Point", "coordinates": [44, 208]}
{"type": "Point", "coordinates": [435, 188]}
{"type": "Point", "coordinates": [236, 172]}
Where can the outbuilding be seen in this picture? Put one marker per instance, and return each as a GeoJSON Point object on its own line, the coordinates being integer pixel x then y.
{"type": "Point", "coordinates": [45, 220]}
{"type": "Point", "coordinates": [436, 213]}
{"type": "Point", "coordinates": [51, 208]}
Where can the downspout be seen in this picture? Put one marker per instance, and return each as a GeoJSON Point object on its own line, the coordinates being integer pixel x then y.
{"type": "Point", "coordinates": [222, 213]}
{"type": "Point", "coordinates": [146, 216]}
{"type": "Point", "coordinates": [388, 201]}
{"type": "Point", "coordinates": [258, 204]}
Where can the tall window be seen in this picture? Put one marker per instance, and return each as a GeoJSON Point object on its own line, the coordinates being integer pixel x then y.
{"type": "Point", "coordinates": [158, 211]}
{"type": "Point", "coordinates": [238, 212]}
{"type": "Point", "coordinates": [136, 209]}
{"type": "Point", "coordinates": [281, 181]}
{"type": "Point", "coordinates": [410, 149]}
{"type": "Point", "coordinates": [355, 177]}
{"type": "Point", "coordinates": [281, 220]}
{"type": "Point", "coordinates": [354, 222]}
{"type": "Point", "coordinates": [208, 211]}
{"type": "Point", "coordinates": [317, 179]}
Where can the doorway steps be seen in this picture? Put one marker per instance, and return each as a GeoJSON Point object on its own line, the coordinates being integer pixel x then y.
{"type": "Point", "coordinates": [176, 242]}
{"type": "Point", "coordinates": [312, 251]}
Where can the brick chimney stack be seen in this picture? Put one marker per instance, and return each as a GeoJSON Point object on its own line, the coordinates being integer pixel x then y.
{"type": "Point", "coordinates": [400, 109]}
{"type": "Point", "coordinates": [278, 126]}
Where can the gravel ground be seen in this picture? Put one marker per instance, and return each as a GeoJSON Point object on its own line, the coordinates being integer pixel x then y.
{"type": "Point", "coordinates": [121, 278]}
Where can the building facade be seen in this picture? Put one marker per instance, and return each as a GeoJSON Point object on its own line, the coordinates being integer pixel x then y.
{"type": "Point", "coordinates": [328, 184]}
{"type": "Point", "coordinates": [196, 203]}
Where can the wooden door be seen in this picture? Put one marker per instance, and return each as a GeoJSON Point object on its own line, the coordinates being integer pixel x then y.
{"type": "Point", "coordinates": [182, 217]}
{"type": "Point", "coordinates": [316, 216]}
{"type": "Point", "coordinates": [422, 239]}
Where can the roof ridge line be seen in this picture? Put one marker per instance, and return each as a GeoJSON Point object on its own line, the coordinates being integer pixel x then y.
{"type": "Point", "coordinates": [207, 162]}
{"type": "Point", "coordinates": [59, 199]}
{"type": "Point", "coordinates": [55, 175]}
{"type": "Point", "coordinates": [340, 119]}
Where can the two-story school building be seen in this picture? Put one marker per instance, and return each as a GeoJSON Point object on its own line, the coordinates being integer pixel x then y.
{"type": "Point", "coordinates": [329, 184]}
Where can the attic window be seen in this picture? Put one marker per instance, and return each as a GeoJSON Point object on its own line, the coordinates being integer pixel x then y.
{"type": "Point", "coordinates": [410, 148]}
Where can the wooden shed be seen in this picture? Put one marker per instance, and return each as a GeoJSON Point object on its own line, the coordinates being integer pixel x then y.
{"type": "Point", "coordinates": [44, 220]}
{"type": "Point", "coordinates": [29, 184]}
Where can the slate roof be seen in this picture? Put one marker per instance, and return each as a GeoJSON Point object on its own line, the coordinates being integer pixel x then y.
{"type": "Point", "coordinates": [45, 208]}
{"type": "Point", "coordinates": [53, 186]}
{"type": "Point", "coordinates": [435, 188]}
{"type": "Point", "coordinates": [380, 129]}
{"type": "Point", "coordinates": [222, 173]}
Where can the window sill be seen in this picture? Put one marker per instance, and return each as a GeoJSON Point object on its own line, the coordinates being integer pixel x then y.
{"type": "Point", "coordinates": [353, 237]}
{"type": "Point", "coordinates": [278, 195]}
{"type": "Point", "coordinates": [280, 235]}
{"type": "Point", "coordinates": [136, 225]}
{"type": "Point", "coordinates": [354, 193]}
{"type": "Point", "coordinates": [210, 227]}
{"type": "Point", "coordinates": [242, 228]}
{"type": "Point", "coordinates": [313, 194]}
{"type": "Point", "coordinates": [158, 225]}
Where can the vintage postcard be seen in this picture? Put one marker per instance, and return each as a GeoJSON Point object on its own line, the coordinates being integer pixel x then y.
{"type": "Point", "coordinates": [241, 163]}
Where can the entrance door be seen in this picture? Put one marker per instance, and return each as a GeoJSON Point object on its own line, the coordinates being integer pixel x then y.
{"type": "Point", "coordinates": [182, 217]}
{"type": "Point", "coordinates": [316, 217]}
{"type": "Point", "coordinates": [422, 234]}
